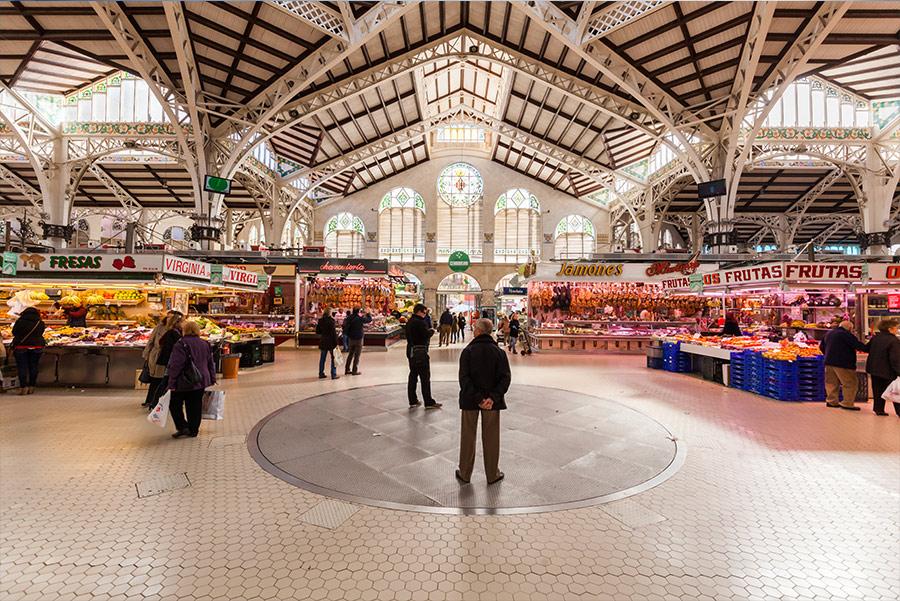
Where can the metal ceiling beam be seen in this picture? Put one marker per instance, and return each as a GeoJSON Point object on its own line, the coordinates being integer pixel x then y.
{"type": "Point", "coordinates": [614, 17]}
{"type": "Point", "coordinates": [666, 109]}
{"type": "Point", "coordinates": [31, 194]}
{"type": "Point", "coordinates": [269, 102]}
{"type": "Point", "coordinates": [318, 15]}
{"type": "Point", "coordinates": [129, 202]}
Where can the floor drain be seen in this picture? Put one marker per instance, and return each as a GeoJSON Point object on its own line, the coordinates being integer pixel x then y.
{"type": "Point", "coordinates": [161, 484]}
{"type": "Point", "coordinates": [225, 441]}
{"type": "Point", "coordinates": [632, 514]}
{"type": "Point", "coordinates": [328, 514]}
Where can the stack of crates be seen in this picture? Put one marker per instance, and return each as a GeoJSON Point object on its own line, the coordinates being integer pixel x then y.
{"type": "Point", "coordinates": [754, 373]}
{"type": "Point", "coordinates": [781, 379]}
{"type": "Point", "coordinates": [737, 372]}
{"type": "Point", "coordinates": [674, 360]}
{"type": "Point", "coordinates": [811, 378]}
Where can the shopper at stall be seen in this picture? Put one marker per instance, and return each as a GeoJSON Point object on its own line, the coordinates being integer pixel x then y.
{"type": "Point", "coordinates": [76, 317]}
{"type": "Point", "coordinates": [513, 332]}
{"type": "Point", "coordinates": [446, 323]}
{"type": "Point", "coordinates": [731, 327]}
{"type": "Point", "coordinates": [484, 379]}
{"type": "Point", "coordinates": [839, 348]}
{"type": "Point", "coordinates": [462, 327]}
{"type": "Point", "coordinates": [328, 341]}
{"type": "Point", "coordinates": [28, 346]}
{"type": "Point", "coordinates": [191, 372]}
{"type": "Point", "coordinates": [883, 363]}
{"type": "Point", "coordinates": [150, 354]}
{"type": "Point", "coordinates": [454, 329]}
{"type": "Point", "coordinates": [502, 328]}
{"type": "Point", "coordinates": [354, 328]}
{"type": "Point", "coordinates": [168, 341]}
{"type": "Point", "coordinates": [418, 335]}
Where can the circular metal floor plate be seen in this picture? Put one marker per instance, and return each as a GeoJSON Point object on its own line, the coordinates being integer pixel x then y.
{"type": "Point", "coordinates": [559, 450]}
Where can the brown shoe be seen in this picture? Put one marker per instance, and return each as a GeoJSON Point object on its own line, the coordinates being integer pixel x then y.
{"type": "Point", "coordinates": [498, 478]}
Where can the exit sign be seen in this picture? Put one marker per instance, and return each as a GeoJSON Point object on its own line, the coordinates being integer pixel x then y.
{"type": "Point", "coordinates": [219, 185]}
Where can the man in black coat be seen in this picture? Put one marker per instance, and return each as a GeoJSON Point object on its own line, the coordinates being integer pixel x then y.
{"type": "Point", "coordinates": [446, 324]}
{"type": "Point", "coordinates": [839, 347]}
{"type": "Point", "coordinates": [883, 364]}
{"type": "Point", "coordinates": [354, 328]}
{"type": "Point", "coordinates": [418, 334]}
{"type": "Point", "coordinates": [484, 378]}
{"type": "Point", "coordinates": [328, 341]}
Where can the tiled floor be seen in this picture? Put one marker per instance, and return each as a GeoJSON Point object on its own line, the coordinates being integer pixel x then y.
{"type": "Point", "coordinates": [774, 501]}
{"type": "Point", "coordinates": [562, 449]}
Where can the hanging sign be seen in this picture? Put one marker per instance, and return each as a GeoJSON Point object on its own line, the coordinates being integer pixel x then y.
{"type": "Point", "coordinates": [459, 261]}
{"type": "Point", "coordinates": [186, 268]}
{"type": "Point", "coordinates": [263, 282]}
{"type": "Point", "coordinates": [313, 266]}
{"type": "Point", "coordinates": [56, 264]}
{"type": "Point", "coordinates": [10, 262]}
{"type": "Point", "coordinates": [666, 267]}
{"type": "Point", "coordinates": [515, 291]}
{"type": "Point", "coordinates": [695, 281]}
{"type": "Point", "coordinates": [215, 275]}
{"type": "Point", "coordinates": [240, 277]}
{"type": "Point", "coordinates": [591, 270]}
{"type": "Point", "coordinates": [776, 273]}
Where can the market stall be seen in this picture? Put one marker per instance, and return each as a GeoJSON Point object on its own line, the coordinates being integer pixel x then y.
{"type": "Point", "coordinates": [607, 307]}
{"type": "Point", "coordinates": [342, 285]}
{"type": "Point", "coordinates": [123, 297]}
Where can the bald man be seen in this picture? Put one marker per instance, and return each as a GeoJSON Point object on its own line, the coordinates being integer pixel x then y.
{"type": "Point", "coordinates": [484, 379]}
{"type": "Point", "coordinates": [839, 347]}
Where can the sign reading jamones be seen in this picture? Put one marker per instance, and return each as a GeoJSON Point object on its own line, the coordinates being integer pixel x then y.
{"type": "Point", "coordinates": [771, 273]}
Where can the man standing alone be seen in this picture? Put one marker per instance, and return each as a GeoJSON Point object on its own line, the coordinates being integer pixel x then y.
{"type": "Point", "coordinates": [354, 327]}
{"type": "Point", "coordinates": [446, 324]}
{"type": "Point", "coordinates": [484, 378]}
{"type": "Point", "coordinates": [417, 336]}
{"type": "Point", "coordinates": [839, 347]}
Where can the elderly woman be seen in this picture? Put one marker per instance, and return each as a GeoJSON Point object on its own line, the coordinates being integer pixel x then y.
{"type": "Point", "coordinates": [191, 372]}
{"type": "Point", "coordinates": [151, 355]}
{"type": "Point", "coordinates": [883, 363]}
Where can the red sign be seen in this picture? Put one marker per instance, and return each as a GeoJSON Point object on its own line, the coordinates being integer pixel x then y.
{"type": "Point", "coordinates": [893, 301]}
{"type": "Point", "coordinates": [186, 267]}
{"type": "Point", "coordinates": [665, 267]}
{"type": "Point", "coordinates": [236, 275]}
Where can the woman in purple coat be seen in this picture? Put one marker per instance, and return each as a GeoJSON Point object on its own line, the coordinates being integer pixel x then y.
{"type": "Point", "coordinates": [190, 349]}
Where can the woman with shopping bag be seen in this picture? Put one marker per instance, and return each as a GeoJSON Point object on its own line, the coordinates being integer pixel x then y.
{"type": "Point", "coordinates": [191, 372]}
{"type": "Point", "coordinates": [883, 365]}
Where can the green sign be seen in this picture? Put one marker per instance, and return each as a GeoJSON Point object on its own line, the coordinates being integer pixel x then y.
{"type": "Point", "coordinates": [278, 291]}
{"type": "Point", "coordinates": [219, 185]}
{"type": "Point", "coordinates": [216, 275]}
{"type": "Point", "coordinates": [695, 280]}
{"type": "Point", "coordinates": [10, 263]}
{"type": "Point", "coordinates": [263, 283]}
{"type": "Point", "coordinates": [459, 261]}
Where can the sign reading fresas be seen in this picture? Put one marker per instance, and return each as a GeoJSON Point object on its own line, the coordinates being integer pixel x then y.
{"type": "Point", "coordinates": [612, 270]}
{"type": "Point", "coordinates": [58, 263]}
{"type": "Point", "coordinates": [459, 261]}
{"type": "Point", "coordinates": [777, 272]}
{"type": "Point", "coordinates": [312, 266]}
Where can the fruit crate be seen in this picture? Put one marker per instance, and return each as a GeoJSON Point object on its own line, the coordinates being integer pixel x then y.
{"type": "Point", "coordinates": [674, 360]}
{"type": "Point", "coordinates": [754, 373]}
{"type": "Point", "coordinates": [737, 372]}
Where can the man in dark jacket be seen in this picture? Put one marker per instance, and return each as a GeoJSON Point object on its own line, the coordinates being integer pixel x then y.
{"type": "Point", "coordinates": [446, 324]}
{"type": "Point", "coordinates": [883, 364]}
{"type": "Point", "coordinates": [354, 328]}
{"type": "Point", "coordinates": [484, 378]}
{"type": "Point", "coordinates": [328, 341]}
{"type": "Point", "coordinates": [418, 334]}
{"type": "Point", "coordinates": [28, 346]}
{"type": "Point", "coordinates": [839, 347]}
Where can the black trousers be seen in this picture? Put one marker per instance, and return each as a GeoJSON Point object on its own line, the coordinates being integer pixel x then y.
{"type": "Point", "coordinates": [192, 400]}
{"type": "Point", "coordinates": [419, 370]}
{"type": "Point", "coordinates": [155, 389]}
{"type": "Point", "coordinates": [879, 385]}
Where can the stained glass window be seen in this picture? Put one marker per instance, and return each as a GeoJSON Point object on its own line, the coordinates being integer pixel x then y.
{"type": "Point", "coordinates": [574, 238]}
{"type": "Point", "coordinates": [460, 185]}
{"type": "Point", "coordinates": [401, 224]}
{"type": "Point", "coordinates": [461, 189]}
{"type": "Point", "coordinates": [345, 236]}
{"type": "Point", "coordinates": [517, 226]}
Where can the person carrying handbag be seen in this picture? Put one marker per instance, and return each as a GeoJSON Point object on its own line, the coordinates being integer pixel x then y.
{"type": "Point", "coordinates": [191, 372]}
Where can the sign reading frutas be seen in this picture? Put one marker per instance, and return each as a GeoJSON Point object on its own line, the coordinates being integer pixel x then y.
{"type": "Point", "coordinates": [459, 261]}
{"type": "Point", "coordinates": [591, 270]}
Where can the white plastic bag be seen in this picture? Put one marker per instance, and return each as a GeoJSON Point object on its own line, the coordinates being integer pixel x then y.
{"type": "Point", "coordinates": [892, 394]}
{"type": "Point", "coordinates": [338, 358]}
{"type": "Point", "coordinates": [160, 413]}
{"type": "Point", "coordinates": [213, 404]}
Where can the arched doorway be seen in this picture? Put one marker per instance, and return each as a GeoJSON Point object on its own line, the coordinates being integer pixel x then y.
{"type": "Point", "coordinates": [511, 294]}
{"type": "Point", "coordinates": [459, 292]}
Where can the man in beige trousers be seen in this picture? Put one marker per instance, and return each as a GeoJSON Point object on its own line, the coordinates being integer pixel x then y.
{"type": "Point", "coordinates": [839, 347]}
{"type": "Point", "coordinates": [484, 379]}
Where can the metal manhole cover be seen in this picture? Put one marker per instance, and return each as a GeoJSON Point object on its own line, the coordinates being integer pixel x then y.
{"type": "Point", "coordinates": [161, 484]}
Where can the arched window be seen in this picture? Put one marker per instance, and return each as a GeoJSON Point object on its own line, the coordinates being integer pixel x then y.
{"type": "Point", "coordinates": [176, 233]}
{"type": "Point", "coordinates": [574, 238]}
{"type": "Point", "coordinates": [460, 190]}
{"type": "Point", "coordinates": [517, 226]}
{"type": "Point", "coordinates": [401, 221]}
{"type": "Point", "coordinates": [345, 236]}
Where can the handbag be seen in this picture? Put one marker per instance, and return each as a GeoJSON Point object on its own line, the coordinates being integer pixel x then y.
{"type": "Point", "coordinates": [145, 378]}
{"type": "Point", "coordinates": [189, 378]}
